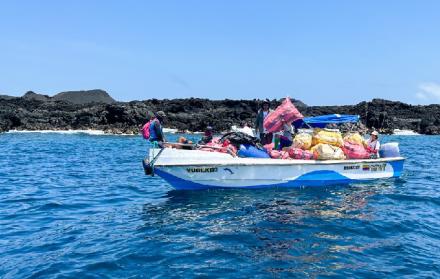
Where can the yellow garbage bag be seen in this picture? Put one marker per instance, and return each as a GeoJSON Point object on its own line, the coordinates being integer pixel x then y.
{"type": "Point", "coordinates": [332, 137]}
{"type": "Point", "coordinates": [303, 141]}
{"type": "Point", "coordinates": [323, 151]}
{"type": "Point", "coordinates": [355, 137]}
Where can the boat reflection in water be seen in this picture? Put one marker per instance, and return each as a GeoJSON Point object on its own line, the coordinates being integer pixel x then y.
{"type": "Point", "coordinates": [278, 230]}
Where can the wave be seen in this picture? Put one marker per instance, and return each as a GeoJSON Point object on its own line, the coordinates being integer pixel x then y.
{"type": "Point", "coordinates": [399, 132]}
{"type": "Point", "coordinates": [94, 132]}
{"type": "Point", "coordinates": [70, 132]}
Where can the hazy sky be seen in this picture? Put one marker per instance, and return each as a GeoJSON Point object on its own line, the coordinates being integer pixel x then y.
{"type": "Point", "coordinates": [321, 52]}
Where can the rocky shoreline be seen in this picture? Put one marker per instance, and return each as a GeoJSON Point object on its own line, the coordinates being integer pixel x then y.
{"type": "Point", "coordinates": [34, 112]}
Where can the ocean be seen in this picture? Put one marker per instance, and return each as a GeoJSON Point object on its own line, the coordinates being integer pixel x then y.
{"type": "Point", "coordinates": [79, 206]}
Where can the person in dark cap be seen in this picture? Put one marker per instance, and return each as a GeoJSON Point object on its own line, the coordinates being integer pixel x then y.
{"type": "Point", "coordinates": [207, 137]}
{"type": "Point", "coordinates": [265, 136]}
{"type": "Point", "coordinates": [156, 129]}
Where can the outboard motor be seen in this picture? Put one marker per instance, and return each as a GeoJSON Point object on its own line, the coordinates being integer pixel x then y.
{"type": "Point", "coordinates": [389, 150]}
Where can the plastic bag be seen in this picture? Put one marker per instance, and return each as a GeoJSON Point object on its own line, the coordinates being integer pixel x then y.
{"type": "Point", "coordinates": [355, 138]}
{"type": "Point", "coordinates": [355, 151]}
{"type": "Point", "coordinates": [299, 154]}
{"type": "Point", "coordinates": [324, 151]}
{"type": "Point", "coordinates": [389, 150]}
{"type": "Point", "coordinates": [332, 137]}
{"type": "Point", "coordinates": [302, 141]}
{"type": "Point", "coordinates": [287, 111]}
{"type": "Point", "coordinates": [276, 154]}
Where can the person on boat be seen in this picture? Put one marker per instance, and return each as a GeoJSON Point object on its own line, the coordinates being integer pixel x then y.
{"type": "Point", "coordinates": [286, 138]}
{"type": "Point", "coordinates": [184, 143]}
{"type": "Point", "coordinates": [207, 137]}
{"type": "Point", "coordinates": [156, 129]}
{"type": "Point", "coordinates": [265, 136]}
{"type": "Point", "coordinates": [373, 144]}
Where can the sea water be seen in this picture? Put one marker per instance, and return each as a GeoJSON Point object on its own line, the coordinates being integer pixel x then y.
{"type": "Point", "coordinates": [80, 206]}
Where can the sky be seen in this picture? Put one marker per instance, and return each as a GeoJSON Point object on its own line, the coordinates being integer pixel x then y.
{"type": "Point", "coordinates": [321, 52]}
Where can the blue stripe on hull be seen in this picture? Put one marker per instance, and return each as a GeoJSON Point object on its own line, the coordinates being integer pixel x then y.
{"type": "Point", "coordinates": [397, 167]}
{"type": "Point", "coordinates": [326, 178]}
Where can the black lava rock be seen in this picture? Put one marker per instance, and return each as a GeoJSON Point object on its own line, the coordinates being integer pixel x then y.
{"type": "Point", "coordinates": [69, 111]}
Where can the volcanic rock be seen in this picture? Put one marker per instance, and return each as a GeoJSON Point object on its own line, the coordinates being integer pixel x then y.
{"type": "Point", "coordinates": [85, 97]}
{"type": "Point", "coordinates": [69, 111]}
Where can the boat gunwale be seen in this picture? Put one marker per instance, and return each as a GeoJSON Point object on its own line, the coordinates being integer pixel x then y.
{"type": "Point", "coordinates": [280, 162]}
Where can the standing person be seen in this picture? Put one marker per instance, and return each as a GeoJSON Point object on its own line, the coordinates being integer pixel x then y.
{"type": "Point", "coordinates": [207, 137]}
{"type": "Point", "coordinates": [265, 136]}
{"type": "Point", "coordinates": [156, 129]}
{"type": "Point", "coordinates": [286, 139]}
{"type": "Point", "coordinates": [145, 130]}
{"type": "Point", "coordinates": [373, 144]}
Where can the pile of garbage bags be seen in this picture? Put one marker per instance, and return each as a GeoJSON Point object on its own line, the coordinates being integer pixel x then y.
{"type": "Point", "coordinates": [317, 144]}
{"type": "Point", "coordinates": [323, 144]}
{"type": "Point", "coordinates": [320, 144]}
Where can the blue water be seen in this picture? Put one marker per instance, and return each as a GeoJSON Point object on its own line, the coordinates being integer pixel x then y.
{"type": "Point", "coordinates": [79, 206]}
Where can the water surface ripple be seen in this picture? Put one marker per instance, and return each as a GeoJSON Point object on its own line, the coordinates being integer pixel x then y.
{"type": "Point", "coordinates": [79, 206]}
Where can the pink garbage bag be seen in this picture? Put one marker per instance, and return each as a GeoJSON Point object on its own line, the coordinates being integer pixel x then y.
{"type": "Point", "coordinates": [287, 111]}
{"type": "Point", "coordinates": [355, 151]}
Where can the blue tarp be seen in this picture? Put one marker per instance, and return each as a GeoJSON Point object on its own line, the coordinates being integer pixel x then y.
{"type": "Point", "coordinates": [322, 120]}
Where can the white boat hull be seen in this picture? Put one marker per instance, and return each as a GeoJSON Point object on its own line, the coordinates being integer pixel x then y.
{"type": "Point", "coordinates": [185, 169]}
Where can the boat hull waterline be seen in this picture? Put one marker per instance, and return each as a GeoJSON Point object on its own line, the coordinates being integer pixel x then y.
{"type": "Point", "coordinates": [190, 170]}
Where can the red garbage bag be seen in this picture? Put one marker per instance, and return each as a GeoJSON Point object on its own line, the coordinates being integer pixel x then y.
{"type": "Point", "coordinates": [276, 154]}
{"type": "Point", "coordinates": [355, 151]}
{"type": "Point", "coordinates": [299, 154]}
{"type": "Point", "coordinates": [287, 111]}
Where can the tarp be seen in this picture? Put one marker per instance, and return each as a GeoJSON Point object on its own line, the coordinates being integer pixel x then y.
{"type": "Point", "coordinates": [322, 120]}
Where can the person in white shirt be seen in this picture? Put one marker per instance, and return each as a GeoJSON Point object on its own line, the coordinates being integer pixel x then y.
{"type": "Point", "coordinates": [373, 144]}
{"type": "Point", "coordinates": [286, 139]}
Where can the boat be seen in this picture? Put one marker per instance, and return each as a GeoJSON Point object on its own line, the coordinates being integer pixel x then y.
{"type": "Point", "coordinates": [197, 169]}
{"type": "Point", "coordinates": [194, 169]}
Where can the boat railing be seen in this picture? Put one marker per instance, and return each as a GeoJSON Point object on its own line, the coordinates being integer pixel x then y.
{"type": "Point", "coordinates": [196, 146]}
{"type": "Point", "coordinates": [152, 150]}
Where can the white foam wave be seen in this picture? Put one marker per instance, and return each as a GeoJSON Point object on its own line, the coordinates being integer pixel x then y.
{"type": "Point", "coordinates": [69, 132]}
{"type": "Point", "coordinates": [399, 132]}
{"type": "Point", "coordinates": [170, 130]}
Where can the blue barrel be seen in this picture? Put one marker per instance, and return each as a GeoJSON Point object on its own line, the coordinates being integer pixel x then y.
{"type": "Point", "coordinates": [249, 151]}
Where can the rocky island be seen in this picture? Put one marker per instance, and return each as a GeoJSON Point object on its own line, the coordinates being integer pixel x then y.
{"type": "Point", "coordinates": [97, 110]}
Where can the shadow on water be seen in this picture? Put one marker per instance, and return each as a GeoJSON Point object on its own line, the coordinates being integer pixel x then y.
{"type": "Point", "coordinates": [282, 230]}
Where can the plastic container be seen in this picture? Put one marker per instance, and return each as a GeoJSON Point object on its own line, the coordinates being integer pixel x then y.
{"type": "Point", "coordinates": [276, 142]}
